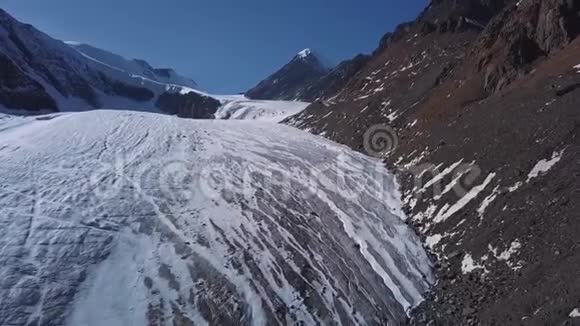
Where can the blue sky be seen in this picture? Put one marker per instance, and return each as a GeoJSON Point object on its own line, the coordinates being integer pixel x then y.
{"type": "Point", "coordinates": [227, 46]}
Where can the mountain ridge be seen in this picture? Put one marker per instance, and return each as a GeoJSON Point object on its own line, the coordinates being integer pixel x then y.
{"type": "Point", "coordinates": [61, 78]}
{"type": "Point", "coordinates": [138, 67]}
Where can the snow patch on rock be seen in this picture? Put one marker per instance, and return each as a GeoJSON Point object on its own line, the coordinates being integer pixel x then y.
{"type": "Point", "coordinates": [508, 254]}
{"type": "Point", "coordinates": [468, 264]}
{"type": "Point", "coordinates": [433, 240]}
{"type": "Point", "coordinates": [487, 201]}
{"type": "Point", "coordinates": [544, 166]}
{"type": "Point", "coordinates": [447, 211]}
{"type": "Point", "coordinates": [441, 175]}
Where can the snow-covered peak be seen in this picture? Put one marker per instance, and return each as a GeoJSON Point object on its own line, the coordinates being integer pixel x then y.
{"type": "Point", "coordinates": [304, 53]}
{"type": "Point", "coordinates": [290, 81]}
{"type": "Point", "coordinates": [313, 57]}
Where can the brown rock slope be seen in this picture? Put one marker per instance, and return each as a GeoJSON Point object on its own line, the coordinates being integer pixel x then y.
{"type": "Point", "coordinates": [487, 125]}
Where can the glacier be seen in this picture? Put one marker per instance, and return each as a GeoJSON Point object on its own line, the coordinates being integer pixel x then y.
{"type": "Point", "coordinates": [114, 217]}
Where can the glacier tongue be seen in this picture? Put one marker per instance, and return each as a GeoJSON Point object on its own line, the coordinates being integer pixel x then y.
{"type": "Point", "coordinates": [132, 218]}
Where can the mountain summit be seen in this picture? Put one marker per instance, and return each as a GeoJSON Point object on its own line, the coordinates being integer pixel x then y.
{"type": "Point", "coordinates": [304, 53]}
{"type": "Point", "coordinates": [289, 82]}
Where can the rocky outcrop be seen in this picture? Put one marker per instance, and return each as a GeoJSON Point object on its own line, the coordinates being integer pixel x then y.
{"type": "Point", "coordinates": [291, 81]}
{"type": "Point", "coordinates": [523, 33]}
{"type": "Point", "coordinates": [17, 90]}
{"type": "Point", "coordinates": [191, 105]}
{"type": "Point", "coordinates": [117, 88]}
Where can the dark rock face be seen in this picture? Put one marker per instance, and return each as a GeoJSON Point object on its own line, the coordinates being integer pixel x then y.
{"type": "Point", "coordinates": [522, 34]}
{"type": "Point", "coordinates": [27, 48]}
{"type": "Point", "coordinates": [117, 88]}
{"type": "Point", "coordinates": [18, 91]}
{"type": "Point", "coordinates": [191, 105]}
{"type": "Point", "coordinates": [290, 81]}
{"type": "Point", "coordinates": [445, 16]}
{"type": "Point", "coordinates": [477, 113]}
{"type": "Point", "coordinates": [443, 11]}
{"type": "Point", "coordinates": [162, 72]}
{"type": "Point", "coordinates": [138, 94]}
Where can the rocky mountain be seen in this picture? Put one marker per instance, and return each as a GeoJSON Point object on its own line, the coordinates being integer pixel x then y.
{"type": "Point", "coordinates": [43, 74]}
{"type": "Point", "coordinates": [37, 62]}
{"type": "Point", "coordinates": [474, 105]}
{"type": "Point", "coordinates": [290, 81]}
{"type": "Point", "coordinates": [303, 84]}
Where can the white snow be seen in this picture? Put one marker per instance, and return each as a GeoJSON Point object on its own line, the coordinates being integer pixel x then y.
{"type": "Point", "coordinates": [507, 254]}
{"type": "Point", "coordinates": [433, 240]}
{"type": "Point", "coordinates": [516, 186]}
{"type": "Point", "coordinates": [453, 184]}
{"type": "Point", "coordinates": [246, 109]}
{"type": "Point", "coordinates": [487, 201]}
{"type": "Point", "coordinates": [427, 214]}
{"type": "Point", "coordinates": [447, 211]}
{"type": "Point", "coordinates": [379, 89]}
{"type": "Point", "coordinates": [304, 53]}
{"type": "Point", "coordinates": [393, 116]}
{"type": "Point", "coordinates": [117, 195]}
{"type": "Point", "coordinates": [362, 97]}
{"type": "Point", "coordinates": [544, 166]}
{"type": "Point", "coordinates": [118, 279]}
{"type": "Point", "coordinates": [437, 178]}
{"type": "Point", "coordinates": [575, 313]}
{"type": "Point", "coordinates": [468, 265]}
